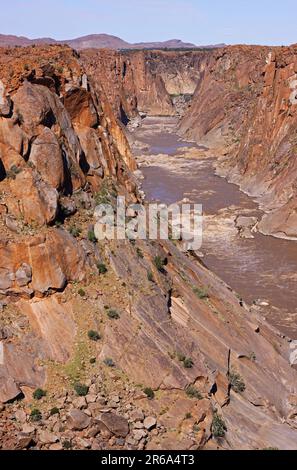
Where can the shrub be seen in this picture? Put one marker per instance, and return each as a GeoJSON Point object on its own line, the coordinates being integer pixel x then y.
{"type": "Point", "coordinates": [218, 426]}
{"type": "Point", "coordinates": [38, 394]}
{"type": "Point", "coordinates": [81, 390]}
{"type": "Point", "coordinates": [109, 362]}
{"type": "Point", "coordinates": [92, 360]}
{"type": "Point", "coordinates": [102, 268]}
{"type": "Point", "coordinates": [113, 314]}
{"type": "Point", "coordinates": [188, 416]}
{"type": "Point", "coordinates": [193, 392]}
{"type": "Point", "coordinates": [35, 415]}
{"type": "Point", "coordinates": [181, 357]}
{"type": "Point", "coordinates": [236, 382]}
{"type": "Point", "coordinates": [201, 293]}
{"type": "Point", "coordinates": [196, 428]}
{"type": "Point", "coordinates": [67, 445]}
{"type": "Point", "coordinates": [149, 393]}
{"type": "Point", "coordinates": [188, 363]}
{"type": "Point", "coordinates": [91, 236]}
{"type": "Point", "coordinates": [139, 253]}
{"type": "Point", "coordinates": [159, 263]}
{"type": "Point", "coordinates": [26, 67]}
{"type": "Point", "coordinates": [150, 276]}
{"type": "Point", "coordinates": [54, 411]}
{"type": "Point", "coordinates": [94, 335]}
{"type": "Point", "coordinates": [81, 292]}
{"type": "Point", "coordinates": [75, 231]}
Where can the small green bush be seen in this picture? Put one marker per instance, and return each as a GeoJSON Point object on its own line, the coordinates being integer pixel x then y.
{"type": "Point", "coordinates": [75, 231]}
{"type": "Point", "coordinates": [188, 416]}
{"type": "Point", "coordinates": [113, 314]}
{"type": "Point", "coordinates": [81, 389]}
{"type": "Point", "coordinates": [181, 357]}
{"type": "Point", "coordinates": [54, 411]}
{"type": "Point", "coordinates": [149, 393]}
{"type": "Point", "coordinates": [236, 382]}
{"type": "Point", "coordinates": [139, 253]}
{"type": "Point", "coordinates": [91, 236]}
{"type": "Point", "coordinates": [150, 276]}
{"type": "Point", "coordinates": [109, 362]}
{"type": "Point", "coordinates": [39, 393]}
{"type": "Point", "coordinates": [93, 360]}
{"type": "Point", "coordinates": [67, 445]}
{"type": "Point", "coordinates": [81, 292]}
{"type": "Point", "coordinates": [201, 293]}
{"type": "Point", "coordinates": [94, 335]}
{"type": "Point", "coordinates": [102, 268]}
{"type": "Point", "coordinates": [35, 415]}
{"type": "Point", "coordinates": [193, 392]}
{"type": "Point", "coordinates": [188, 363]}
{"type": "Point", "coordinates": [159, 263]}
{"type": "Point", "coordinates": [218, 426]}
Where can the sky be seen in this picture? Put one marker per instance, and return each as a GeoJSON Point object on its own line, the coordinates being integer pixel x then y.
{"type": "Point", "coordinates": [201, 22]}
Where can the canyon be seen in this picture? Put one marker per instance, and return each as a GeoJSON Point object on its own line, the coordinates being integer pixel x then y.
{"type": "Point", "coordinates": [101, 347]}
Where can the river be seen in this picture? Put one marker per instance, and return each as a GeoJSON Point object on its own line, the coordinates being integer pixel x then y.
{"type": "Point", "coordinates": [262, 269]}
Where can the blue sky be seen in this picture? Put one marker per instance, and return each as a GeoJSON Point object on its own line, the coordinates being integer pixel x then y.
{"type": "Point", "coordinates": [199, 21]}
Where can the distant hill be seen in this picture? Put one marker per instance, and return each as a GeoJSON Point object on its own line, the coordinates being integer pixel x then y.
{"type": "Point", "coordinates": [99, 41]}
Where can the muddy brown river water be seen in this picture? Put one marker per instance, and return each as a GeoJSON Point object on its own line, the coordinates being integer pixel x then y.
{"type": "Point", "coordinates": [260, 268]}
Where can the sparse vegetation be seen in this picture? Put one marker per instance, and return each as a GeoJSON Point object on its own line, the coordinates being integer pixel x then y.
{"type": "Point", "coordinates": [81, 292]}
{"type": "Point", "coordinates": [109, 362]}
{"type": "Point", "coordinates": [35, 415]}
{"type": "Point", "coordinates": [149, 393]}
{"type": "Point", "coordinates": [75, 231]}
{"type": "Point", "coordinates": [196, 428]}
{"type": "Point", "coordinates": [102, 268]}
{"type": "Point", "coordinates": [236, 382]}
{"type": "Point", "coordinates": [91, 236]}
{"type": "Point", "coordinates": [14, 170]}
{"type": "Point", "coordinates": [201, 293]}
{"type": "Point", "coordinates": [150, 276]}
{"type": "Point", "coordinates": [113, 314]}
{"type": "Point", "coordinates": [181, 357]}
{"type": "Point", "coordinates": [39, 393]}
{"type": "Point", "coordinates": [188, 363]}
{"type": "Point", "coordinates": [93, 360]}
{"type": "Point", "coordinates": [139, 253]}
{"type": "Point", "coordinates": [188, 416]}
{"type": "Point", "coordinates": [218, 426]}
{"type": "Point", "coordinates": [94, 335]}
{"type": "Point", "coordinates": [26, 67]}
{"type": "Point", "coordinates": [54, 411]}
{"type": "Point", "coordinates": [159, 263]}
{"type": "Point", "coordinates": [67, 445]}
{"type": "Point", "coordinates": [193, 392]}
{"type": "Point", "coordinates": [81, 389]}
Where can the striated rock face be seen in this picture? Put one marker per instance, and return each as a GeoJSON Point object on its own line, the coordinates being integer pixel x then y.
{"type": "Point", "coordinates": [245, 109]}
{"type": "Point", "coordinates": [145, 81]}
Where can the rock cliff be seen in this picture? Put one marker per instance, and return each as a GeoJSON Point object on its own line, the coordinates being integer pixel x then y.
{"type": "Point", "coordinates": [245, 110]}
{"type": "Point", "coordinates": [145, 81]}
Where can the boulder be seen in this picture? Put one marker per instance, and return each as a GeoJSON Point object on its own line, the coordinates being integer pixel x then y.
{"type": "Point", "coordinates": [150, 422]}
{"type": "Point", "coordinates": [77, 420]}
{"type": "Point", "coordinates": [5, 101]}
{"type": "Point", "coordinates": [47, 158]}
{"type": "Point", "coordinates": [116, 424]}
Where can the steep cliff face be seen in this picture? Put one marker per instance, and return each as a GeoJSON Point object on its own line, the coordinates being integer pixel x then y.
{"type": "Point", "coordinates": [145, 81]}
{"type": "Point", "coordinates": [245, 109]}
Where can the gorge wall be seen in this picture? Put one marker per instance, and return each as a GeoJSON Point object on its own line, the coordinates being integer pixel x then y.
{"type": "Point", "coordinates": [134, 354]}
{"type": "Point", "coordinates": [145, 81]}
{"type": "Point", "coordinates": [245, 110]}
